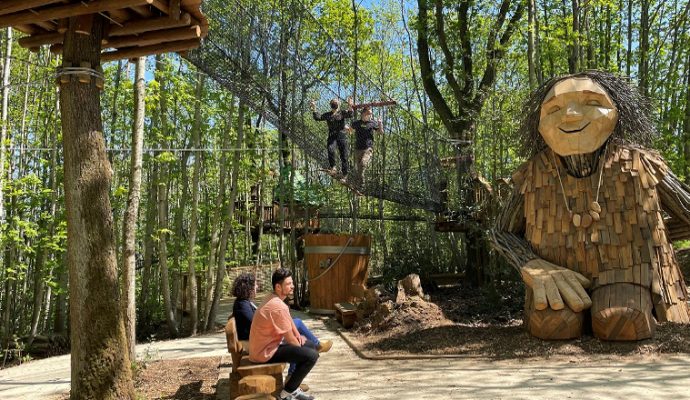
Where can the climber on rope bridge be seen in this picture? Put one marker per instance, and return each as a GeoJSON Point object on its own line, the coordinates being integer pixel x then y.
{"type": "Point", "coordinates": [337, 134]}
{"type": "Point", "coordinates": [364, 141]}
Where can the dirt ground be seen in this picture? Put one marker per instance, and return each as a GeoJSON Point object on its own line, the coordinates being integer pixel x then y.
{"type": "Point", "coordinates": [488, 324]}
{"type": "Point", "coordinates": [188, 379]}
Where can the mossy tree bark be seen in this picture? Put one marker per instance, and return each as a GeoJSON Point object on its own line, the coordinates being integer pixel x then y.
{"type": "Point", "coordinates": [100, 361]}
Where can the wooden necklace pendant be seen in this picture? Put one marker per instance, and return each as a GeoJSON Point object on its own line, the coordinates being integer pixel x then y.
{"type": "Point", "coordinates": [595, 211]}
{"type": "Point", "coordinates": [582, 220]}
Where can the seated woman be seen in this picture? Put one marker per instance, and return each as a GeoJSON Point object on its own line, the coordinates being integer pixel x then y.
{"type": "Point", "coordinates": [244, 289]}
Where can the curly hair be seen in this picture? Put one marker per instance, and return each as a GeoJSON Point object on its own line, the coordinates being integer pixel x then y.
{"type": "Point", "coordinates": [634, 112]}
{"type": "Point", "coordinates": [243, 287]}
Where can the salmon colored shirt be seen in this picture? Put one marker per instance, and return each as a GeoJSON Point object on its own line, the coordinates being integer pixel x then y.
{"type": "Point", "coordinates": [270, 324]}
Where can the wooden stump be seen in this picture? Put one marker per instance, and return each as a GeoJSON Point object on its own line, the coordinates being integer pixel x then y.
{"type": "Point", "coordinates": [257, 384]}
{"type": "Point", "coordinates": [622, 311]}
{"type": "Point", "coordinates": [551, 324]}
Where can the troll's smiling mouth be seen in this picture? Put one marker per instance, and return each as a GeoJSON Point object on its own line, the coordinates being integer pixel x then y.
{"type": "Point", "coordinates": [574, 130]}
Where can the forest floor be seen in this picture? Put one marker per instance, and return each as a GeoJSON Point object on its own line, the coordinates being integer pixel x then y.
{"type": "Point", "coordinates": [197, 369]}
{"type": "Point", "coordinates": [488, 325]}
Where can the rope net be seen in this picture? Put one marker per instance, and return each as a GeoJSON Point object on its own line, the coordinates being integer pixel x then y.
{"type": "Point", "coordinates": [276, 66]}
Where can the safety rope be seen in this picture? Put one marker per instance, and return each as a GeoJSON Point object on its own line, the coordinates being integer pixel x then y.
{"type": "Point", "coordinates": [333, 263]}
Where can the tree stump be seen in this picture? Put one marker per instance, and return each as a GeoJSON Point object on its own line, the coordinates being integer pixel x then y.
{"type": "Point", "coordinates": [622, 311]}
{"type": "Point", "coordinates": [257, 384]}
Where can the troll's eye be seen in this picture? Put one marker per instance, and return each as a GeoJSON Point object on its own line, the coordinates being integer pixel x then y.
{"type": "Point", "coordinates": [553, 109]}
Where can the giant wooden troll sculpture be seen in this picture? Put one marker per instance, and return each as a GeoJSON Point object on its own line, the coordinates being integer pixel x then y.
{"type": "Point", "coordinates": [593, 214]}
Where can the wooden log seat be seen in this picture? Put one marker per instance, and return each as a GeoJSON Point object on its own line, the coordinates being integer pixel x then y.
{"type": "Point", "coordinates": [254, 384]}
{"type": "Point", "coordinates": [256, 396]}
{"type": "Point", "coordinates": [243, 367]}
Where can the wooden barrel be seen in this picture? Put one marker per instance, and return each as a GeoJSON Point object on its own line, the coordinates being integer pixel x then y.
{"type": "Point", "coordinates": [337, 268]}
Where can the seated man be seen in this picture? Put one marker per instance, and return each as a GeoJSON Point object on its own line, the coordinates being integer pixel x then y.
{"type": "Point", "coordinates": [273, 337]}
{"type": "Point", "coordinates": [244, 289]}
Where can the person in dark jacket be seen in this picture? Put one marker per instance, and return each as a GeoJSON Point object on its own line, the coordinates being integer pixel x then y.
{"type": "Point", "coordinates": [337, 133]}
{"type": "Point", "coordinates": [244, 289]}
{"type": "Point", "coordinates": [364, 141]}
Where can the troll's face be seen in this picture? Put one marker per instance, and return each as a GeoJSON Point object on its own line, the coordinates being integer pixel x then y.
{"type": "Point", "coordinates": [577, 116]}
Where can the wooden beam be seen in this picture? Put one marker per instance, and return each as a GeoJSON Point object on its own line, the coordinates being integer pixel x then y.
{"type": "Point", "coordinates": [133, 52]}
{"type": "Point", "coordinates": [162, 6]}
{"type": "Point", "coordinates": [41, 40]}
{"type": "Point", "coordinates": [143, 11]}
{"type": "Point", "coordinates": [376, 104]}
{"type": "Point", "coordinates": [67, 10]}
{"type": "Point", "coordinates": [155, 37]}
{"type": "Point", "coordinates": [120, 15]}
{"type": "Point", "coordinates": [13, 6]}
{"type": "Point", "coordinates": [147, 25]}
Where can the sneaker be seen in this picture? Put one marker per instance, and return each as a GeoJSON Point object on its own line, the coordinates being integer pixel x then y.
{"type": "Point", "coordinates": [303, 386]}
{"type": "Point", "coordinates": [296, 395]}
{"type": "Point", "coordinates": [324, 346]}
{"type": "Point", "coordinates": [300, 395]}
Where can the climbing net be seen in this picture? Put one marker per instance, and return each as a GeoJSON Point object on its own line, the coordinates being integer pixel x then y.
{"type": "Point", "coordinates": [268, 59]}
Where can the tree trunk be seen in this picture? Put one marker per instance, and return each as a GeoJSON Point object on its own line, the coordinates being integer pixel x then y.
{"type": "Point", "coordinates": [6, 70]}
{"type": "Point", "coordinates": [129, 224]}
{"type": "Point", "coordinates": [628, 54]}
{"type": "Point", "coordinates": [574, 58]}
{"type": "Point", "coordinates": [100, 362]}
{"type": "Point", "coordinates": [532, 34]}
{"type": "Point", "coordinates": [227, 219]}
{"type": "Point", "coordinates": [151, 222]}
{"type": "Point", "coordinates": [193, 222]}
{"type": "Point", "coordinates": [214, 253]}
{"type": "Point", "coordinates": [163, 208]}
{"type": "Point", "coordinates": [643, 69]}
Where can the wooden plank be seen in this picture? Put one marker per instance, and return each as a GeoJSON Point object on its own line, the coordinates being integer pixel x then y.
{"type": "Point", "coordinates": [67, 10]}
{"type": "Point", "coordinates": [13, 6]}
{"type": "Point", "coordinates": [155, 37]}
{"type": "Point", "coordinates": [133, 52]}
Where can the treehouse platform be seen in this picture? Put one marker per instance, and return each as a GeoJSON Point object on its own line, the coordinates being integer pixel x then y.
{"type": "Point", "coordinates": [134, 28]}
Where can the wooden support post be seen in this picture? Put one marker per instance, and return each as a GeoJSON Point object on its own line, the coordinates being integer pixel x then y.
{"type": "Point", "coordinates": [148, 25]}
{"type": "Point", "coordinates": [13, 6]}
{"type": "Point", "coordinates": [67, 10]}
{"type": "Point", "coordinates": [83, 24]}
{"type": "Point", "coordinates": [132, 52]}
{"type": "Point", "coordinates": [155, 37]}
{"type": "Point", "coordinates": [63, 23]}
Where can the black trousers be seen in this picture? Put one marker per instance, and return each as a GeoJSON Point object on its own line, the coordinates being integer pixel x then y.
{"type": "Point", "coordinates": [340, 141]}
{"type": "Point", "coordinates": [304, 357]}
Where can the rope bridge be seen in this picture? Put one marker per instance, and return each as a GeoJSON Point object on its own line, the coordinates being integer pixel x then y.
{"type": "Point", "coordinates": [277, 66]}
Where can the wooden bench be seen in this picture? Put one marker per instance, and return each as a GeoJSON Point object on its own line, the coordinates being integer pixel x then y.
{"type": "Point", "coordinates": [346, 314]}
{"type": "Point", "coordinates": [261, 377]}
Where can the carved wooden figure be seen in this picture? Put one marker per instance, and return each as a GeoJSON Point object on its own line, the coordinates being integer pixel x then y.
{"type": "Point", "coordinates": [592, 215]}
